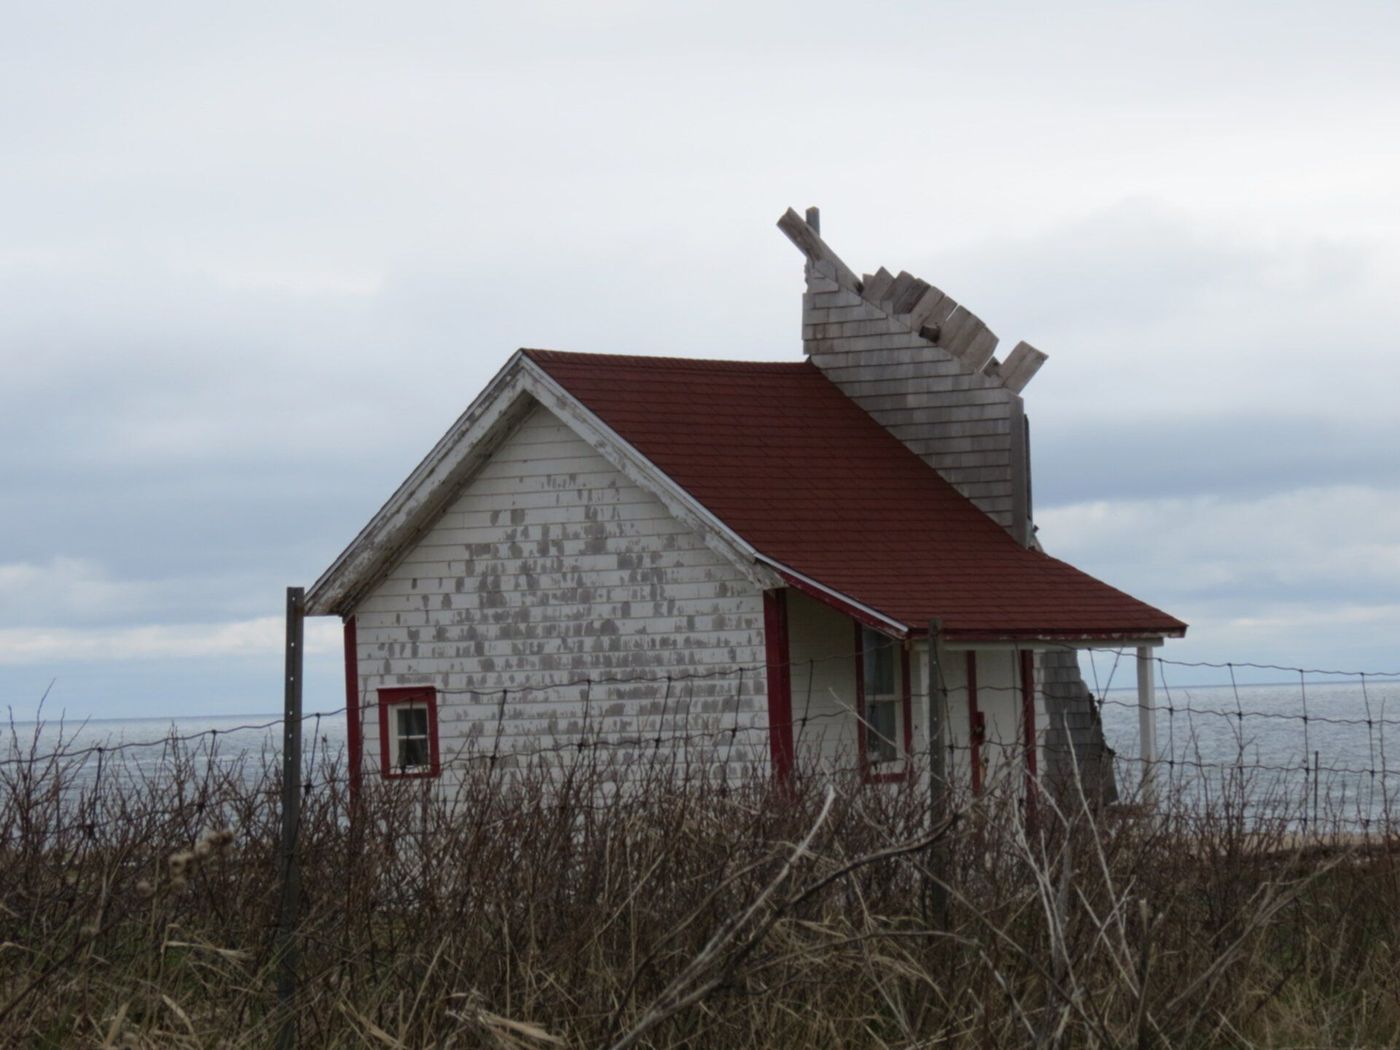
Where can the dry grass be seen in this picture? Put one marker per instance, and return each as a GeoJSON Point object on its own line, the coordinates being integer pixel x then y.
{"type": "Point", "coordinates": [684, 913]}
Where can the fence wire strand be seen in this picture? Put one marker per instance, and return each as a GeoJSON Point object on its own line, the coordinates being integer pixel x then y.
{"type": "Point", "coordinates": [733, 735]}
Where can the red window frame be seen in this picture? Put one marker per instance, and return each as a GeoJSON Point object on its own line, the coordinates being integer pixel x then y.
{"type": "Point", "coordinates": [906, 706]}
{"type": "Point", "coordinates": [413, 694]}
{"type": "Point", "coordinates": [779, 666]}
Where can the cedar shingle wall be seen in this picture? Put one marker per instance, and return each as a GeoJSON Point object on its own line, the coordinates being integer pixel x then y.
{"type": "Point", "coordinates": [963, 423]}
{"type": "Point", "coordinates": [970, 428]}
{"type": "Point", "coordinates": [549, 568]}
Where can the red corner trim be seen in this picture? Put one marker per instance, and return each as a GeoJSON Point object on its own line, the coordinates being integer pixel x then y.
{"type": "Point", "coordinates": [776, 653]}
{"type": "Point", "coordinates": [1028, 724]}
{"type": "Point", "coordinates": [409, 694]}
{"type": "Point", "coordinates": [354, 727]}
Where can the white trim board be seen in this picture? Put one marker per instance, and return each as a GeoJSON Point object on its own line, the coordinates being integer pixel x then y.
{"type": "Point", "coordinates": [422, 497]}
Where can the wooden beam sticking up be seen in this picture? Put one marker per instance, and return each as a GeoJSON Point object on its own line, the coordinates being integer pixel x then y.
{"type": "Point", "coordinates": [810, 243]}
{"type": "Point", "coordinates": [903, 285]}
{"type": "Point", "coordinates": [877, 286]}
{"type": "Point", "coordinates": [907, 296]}
{"type": "Point", "coordinates": [1021, 366]}
{"type": "Point", "coordinates": [932, 308]}
{"type": "Point", "coordinates": [966, 337]}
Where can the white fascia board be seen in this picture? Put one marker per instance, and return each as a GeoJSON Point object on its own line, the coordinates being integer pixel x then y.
{"type": "Point", "coordinates": [1048, 644]}
{"type": "Point", "coordinates": [412, 508]}
{"type": "Point", "coordinates": [385, 531]}
{"type": "Point", "coordinates": [898, 627]}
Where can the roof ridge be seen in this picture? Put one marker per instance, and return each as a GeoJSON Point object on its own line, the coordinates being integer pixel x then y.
{"type": "Point", "coordinates": [664, 360]}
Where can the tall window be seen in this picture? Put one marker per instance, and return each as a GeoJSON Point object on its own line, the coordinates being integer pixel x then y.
{"type": "Point", "coordinates": [408, 732]}
{"type": "Point", "coordinates": [881, 694]}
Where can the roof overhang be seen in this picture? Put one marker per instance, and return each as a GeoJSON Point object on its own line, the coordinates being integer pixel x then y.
{"type": "Point", "coordinates": [1033, 639]}
{"type": "Point", "coordinates": [516, 390]}
{"type": "Point", "coordinates": [417, 504]}
{"type": "Point", "coordinates": [840, 602]}
{"type": "Point", "coordinates": [1049, 642]}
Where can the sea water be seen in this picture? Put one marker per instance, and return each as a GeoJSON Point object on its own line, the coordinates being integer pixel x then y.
{"type": "Point", "coordinates": [1327, 749]}
{"type": "Point", "coordinates": [154, 747]}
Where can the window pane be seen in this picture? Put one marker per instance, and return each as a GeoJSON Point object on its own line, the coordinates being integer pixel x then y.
{"type": "Point", "coordinates": [879, 662]}
{"type": "Point", "coordinates": [413, 721]}
{"type": "Point", "coordinates": [413, 752]}
{"type": "Point", "coordinates": [881, 727]}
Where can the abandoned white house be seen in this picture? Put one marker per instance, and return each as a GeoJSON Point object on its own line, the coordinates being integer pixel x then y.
{"type": "Point", "coordinates": [753, 560]}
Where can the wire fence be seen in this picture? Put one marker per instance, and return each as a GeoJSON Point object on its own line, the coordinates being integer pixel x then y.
{"type": "Point", "coordinates": [1316, 747]}
{"type": "Point", "coordinates": [1301, 762]}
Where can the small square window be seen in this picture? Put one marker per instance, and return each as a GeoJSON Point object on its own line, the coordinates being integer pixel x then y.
{"type": "Point", "coordinates": [408, 745]}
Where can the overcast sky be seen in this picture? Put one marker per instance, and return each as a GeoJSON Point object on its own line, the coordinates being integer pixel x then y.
{"type": "Point", "coordinates": [254, 259]}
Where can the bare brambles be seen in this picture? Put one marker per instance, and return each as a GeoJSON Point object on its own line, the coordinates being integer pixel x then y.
{"type": "Point", "coordinates": [607, 904]}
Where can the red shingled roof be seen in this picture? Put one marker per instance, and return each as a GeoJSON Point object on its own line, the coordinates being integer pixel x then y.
{"type": "Point", "coordinates": [809, 479]}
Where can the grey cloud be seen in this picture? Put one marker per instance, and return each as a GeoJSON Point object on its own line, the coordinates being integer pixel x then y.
{"type": "Point", "coordinates": [1246, 454]}
{"type": "Point", "coordinates": [255, 264]}
{"type": "Point", "coordinates": [178, 688]}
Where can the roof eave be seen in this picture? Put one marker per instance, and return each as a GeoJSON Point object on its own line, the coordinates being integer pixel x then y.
{"type": "Point", "coordinates": [419, 500]}
{"type": "Point", "coordinates": [835, 599]}
{"type": "Point", "coordinates": [1063, 638]}
{"type": "Point", "coordinates": [399, 519]}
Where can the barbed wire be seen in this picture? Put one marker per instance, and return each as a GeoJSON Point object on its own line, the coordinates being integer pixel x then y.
{"type": "Point", "coordinates": [592, 738]}
{"type": "Point", "coordinates": [469, 751]}
{"type": "Point", "coordinates": [210, 806]}
{"type": "Point", "coordinates": [21, 757]}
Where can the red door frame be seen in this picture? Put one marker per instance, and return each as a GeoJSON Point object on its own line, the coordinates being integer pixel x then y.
{"type": "Point", "coordinates": [777, 656]}
{"type": "Point", "coordinates": [354, 727]}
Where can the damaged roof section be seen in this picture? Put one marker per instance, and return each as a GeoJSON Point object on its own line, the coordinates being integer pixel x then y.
{"type": "Point", "coordinates": [926, 312]}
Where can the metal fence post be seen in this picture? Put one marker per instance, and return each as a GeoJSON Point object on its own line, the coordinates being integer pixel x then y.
{"type": "Point", "coordinates": [289, 912]}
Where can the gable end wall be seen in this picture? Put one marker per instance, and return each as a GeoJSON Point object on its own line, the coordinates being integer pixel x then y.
{"type": "Point", "coordinates": [551, 568]}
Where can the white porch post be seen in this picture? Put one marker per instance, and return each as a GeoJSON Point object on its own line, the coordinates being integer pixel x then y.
{"type": "Point", "coordinates": [1147, 724]}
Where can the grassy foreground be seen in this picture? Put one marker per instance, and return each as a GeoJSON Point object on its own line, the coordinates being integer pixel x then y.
{"type": "Point", "coordinates": [682, 913]}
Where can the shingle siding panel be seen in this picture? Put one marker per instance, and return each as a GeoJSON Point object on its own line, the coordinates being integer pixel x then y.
{"type": "Point", "coordinates": [551, 567]}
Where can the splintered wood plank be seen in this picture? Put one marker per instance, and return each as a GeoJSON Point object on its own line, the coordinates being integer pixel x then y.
{"type": "Point", "coordinates": [1020, 366]}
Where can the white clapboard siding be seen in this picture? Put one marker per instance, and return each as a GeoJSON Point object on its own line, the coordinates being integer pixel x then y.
{"type": "Point", "coordinates": [552, 569]}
